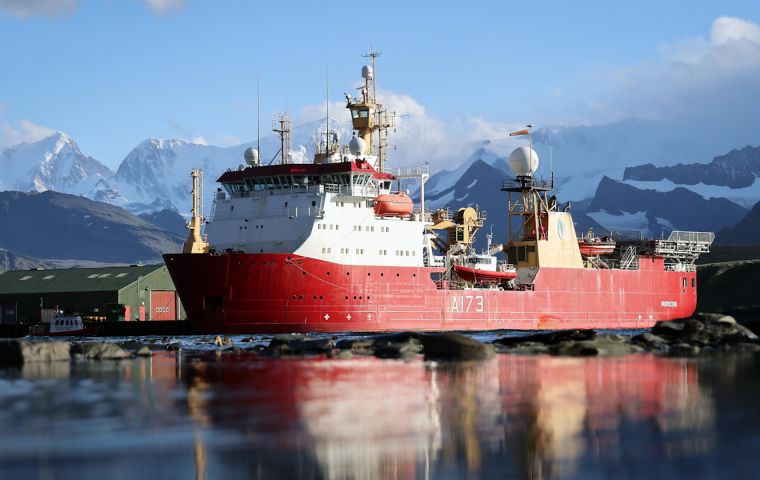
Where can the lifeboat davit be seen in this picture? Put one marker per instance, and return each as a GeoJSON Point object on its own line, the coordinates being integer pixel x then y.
{"type": "Point", "coordinates": [393, 205]}
{"type": "Point", "coordinates": [596, 247]}
{"type": "Point", "coordinates": [476, 275]}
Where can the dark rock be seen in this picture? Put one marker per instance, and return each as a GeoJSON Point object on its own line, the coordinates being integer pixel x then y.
{"type": "Point", "coordinates": [596, 347]}
{"type": "Point", "coordinates": [103, 351]}
{"type": "Point", "coordinates": [526, 348]}
{"type": "Point", "coordinates": [357, 345]}
{"type": "Point", "coordinates": [247, 340]}
{"type": "Point", "coordinates": [19, 352]}
{"type": "Point", "coordinates": [683, 350]}
{"type": "Point", "coordinates": [705, 329]}
{"type": "Point", "coordinates": [144, 352]}
{"type": "Point", "coordinates": [452, 346]}
{"type": "Point", "coordinates": [548, 338]}
{"type": "Point", "coordinates": [297, 344]}
{"type": "Point", "coordinates": [341, 354]}
{"type": "Point", "coordinates": [173, 347]}
{"type": "Point", "coordinates": [668, 329]}
{"type": "Point", "coordinates": [407, 349]}
{"type": "Point", "coordinates": [650, 341]}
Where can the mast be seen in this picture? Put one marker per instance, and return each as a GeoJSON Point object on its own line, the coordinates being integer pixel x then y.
{"type": "Point", "coordinates": [283, 126]}
{"type": "Point", "coordinates": [368, 116]}
{"type": "Point", "coordinates": [195, 242]}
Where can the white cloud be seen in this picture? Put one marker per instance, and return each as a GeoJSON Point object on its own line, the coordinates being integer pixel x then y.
{"type": "Point", "coordinates": [31, 8]}
{"type": "Point", "coordinates": [198, 141]}
{"type": "Point", "coordinates": [25, 131]}
{"type": "Point", "coordinates": [711, 80]}
{"type": "Point", "coordinates": [160, 7]}
{"type": "Point", "coordinates": [728, 29]}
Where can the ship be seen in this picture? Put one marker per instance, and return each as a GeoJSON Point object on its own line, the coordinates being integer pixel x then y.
{"type": "Point", "coordinates": [337, 245]}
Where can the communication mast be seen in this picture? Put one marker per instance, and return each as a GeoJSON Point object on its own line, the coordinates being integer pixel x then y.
{"type": "Point", "coordinates": [368, 116]}
{"type": "Point", "coordinates": [283, 126]}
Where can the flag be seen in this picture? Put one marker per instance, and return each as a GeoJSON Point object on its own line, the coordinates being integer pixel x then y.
{"type": "Point", "coordinates": [519, 132]}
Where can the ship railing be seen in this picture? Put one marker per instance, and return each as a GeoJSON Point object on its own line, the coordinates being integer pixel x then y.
{"type": "Point", "coordinates": [408, 172]}
{"type": "Point", "coordinates": [351, 190]}
{"type": "Point", "coordinates": [687, 245]}
{"type": "Point", "coordinates": [680, 267]}
{"type": "Point", "coordinates": [527, 182]}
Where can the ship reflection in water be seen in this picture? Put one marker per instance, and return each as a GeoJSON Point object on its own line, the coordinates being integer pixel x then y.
{"type": "Point", "coordinates": [241, 416]}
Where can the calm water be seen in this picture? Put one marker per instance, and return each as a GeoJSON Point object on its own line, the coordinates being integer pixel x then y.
{"type": "Point", "coordinates": [206, 415]}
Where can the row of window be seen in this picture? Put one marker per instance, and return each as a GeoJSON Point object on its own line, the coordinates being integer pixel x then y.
{"type": "Point", "coordinates": [360, 251]}
{"type": "Point", "coordinates": [357, 228]}
{"type": "Point", "coordinates": [323, 226]}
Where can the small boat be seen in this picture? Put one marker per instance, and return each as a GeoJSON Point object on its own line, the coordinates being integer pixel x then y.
{"type": "Point", "coordinates": [477, 275]}
{"type": "Point", "coordinates": [393, 205]}
{"type": "Point", "coordinates": [596, 246]}
{"type": "Point", "coordinates": [62, 326]}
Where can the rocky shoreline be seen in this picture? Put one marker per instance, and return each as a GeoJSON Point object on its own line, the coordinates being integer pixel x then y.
{"type": "Point", "coordinates": [703, 334]}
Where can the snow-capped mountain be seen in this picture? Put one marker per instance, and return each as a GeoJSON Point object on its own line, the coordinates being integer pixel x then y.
{"type": "Point", "coordinates": [53, 163]}
{"type": "Point", "coordinates": [621, 207]}
{"type": "Point", "coordinates": [155, 175]}
{"type": "Point", "coordinates": [734, 176]}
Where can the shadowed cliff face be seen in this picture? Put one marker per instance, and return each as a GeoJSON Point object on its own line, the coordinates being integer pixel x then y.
{"type": "Point", "coordinates": [730, 287]}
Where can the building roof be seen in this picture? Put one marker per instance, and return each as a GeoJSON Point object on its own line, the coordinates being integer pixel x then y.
{"type": "Point", "coordinates": [72, 279]}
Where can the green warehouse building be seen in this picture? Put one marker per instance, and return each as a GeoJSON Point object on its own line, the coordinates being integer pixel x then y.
{"type": "Point", "coordinates": [109, 294]}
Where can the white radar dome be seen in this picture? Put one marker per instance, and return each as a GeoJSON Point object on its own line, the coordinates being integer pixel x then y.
{"type": "Point", "coordinates": [523, 161]}
{"type": "Point", "coordinates": [367, 72]}
{"type": "Point", "coordinates": [357, 145]}
{"type": "Point", "coordinates": [251, 156]}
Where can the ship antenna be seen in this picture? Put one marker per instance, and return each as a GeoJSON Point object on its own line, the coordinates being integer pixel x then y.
{"type": "Point", "coordinates": [373, 55]}
{"type": "Point", "coordinates": [258, 114]}
{"type": "Point", "coordinates": [551, 160]}
{"type": "Point", "coordinates": [327, 110]}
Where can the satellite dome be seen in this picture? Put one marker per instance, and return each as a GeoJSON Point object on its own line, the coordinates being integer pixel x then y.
{"type": "Point", "coordinates": [367, 72]}
{"type": "Point", "coordinates": [523, 161]}
{"type": "Point", "coordinates": [251, 156]}
{"type": "Point", "coordinates": [357, 145]}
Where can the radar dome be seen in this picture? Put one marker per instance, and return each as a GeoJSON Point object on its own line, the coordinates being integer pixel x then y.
{"type": "Point", "coordinates": [523, 161]}
{"type": "Point", "coordinates": [357, 145]}
{"type": "Point", "coordinates": [251, 156]}
{"type": "Point", "coordinates": [367, 72]}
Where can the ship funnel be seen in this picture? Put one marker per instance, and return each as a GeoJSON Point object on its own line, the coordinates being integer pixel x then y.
{"type": "Point", "coordinates": [523, 161]}
{"type": "Point", "coordinates": [357, 146]}
{"type": "Point", "coordinates": [251, 156]}
{"type": "Point", "coordinates": [367, 72]}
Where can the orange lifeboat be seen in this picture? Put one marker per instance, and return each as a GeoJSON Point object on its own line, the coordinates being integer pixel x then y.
{"type": "Point", "coordinates": [596, 247]}
{"type": "Point", "coordinates": [393, 205]}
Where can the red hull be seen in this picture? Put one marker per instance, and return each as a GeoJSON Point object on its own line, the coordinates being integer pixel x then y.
{"type": "Point", "coordinates": [271, 293]}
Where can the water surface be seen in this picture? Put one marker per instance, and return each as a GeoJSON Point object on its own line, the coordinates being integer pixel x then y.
{"type": "Point", "coordinates": [207, 414]}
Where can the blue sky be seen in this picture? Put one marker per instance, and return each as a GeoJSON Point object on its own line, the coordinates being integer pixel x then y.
{"type": "Point", "coordinates": [112, 73]}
